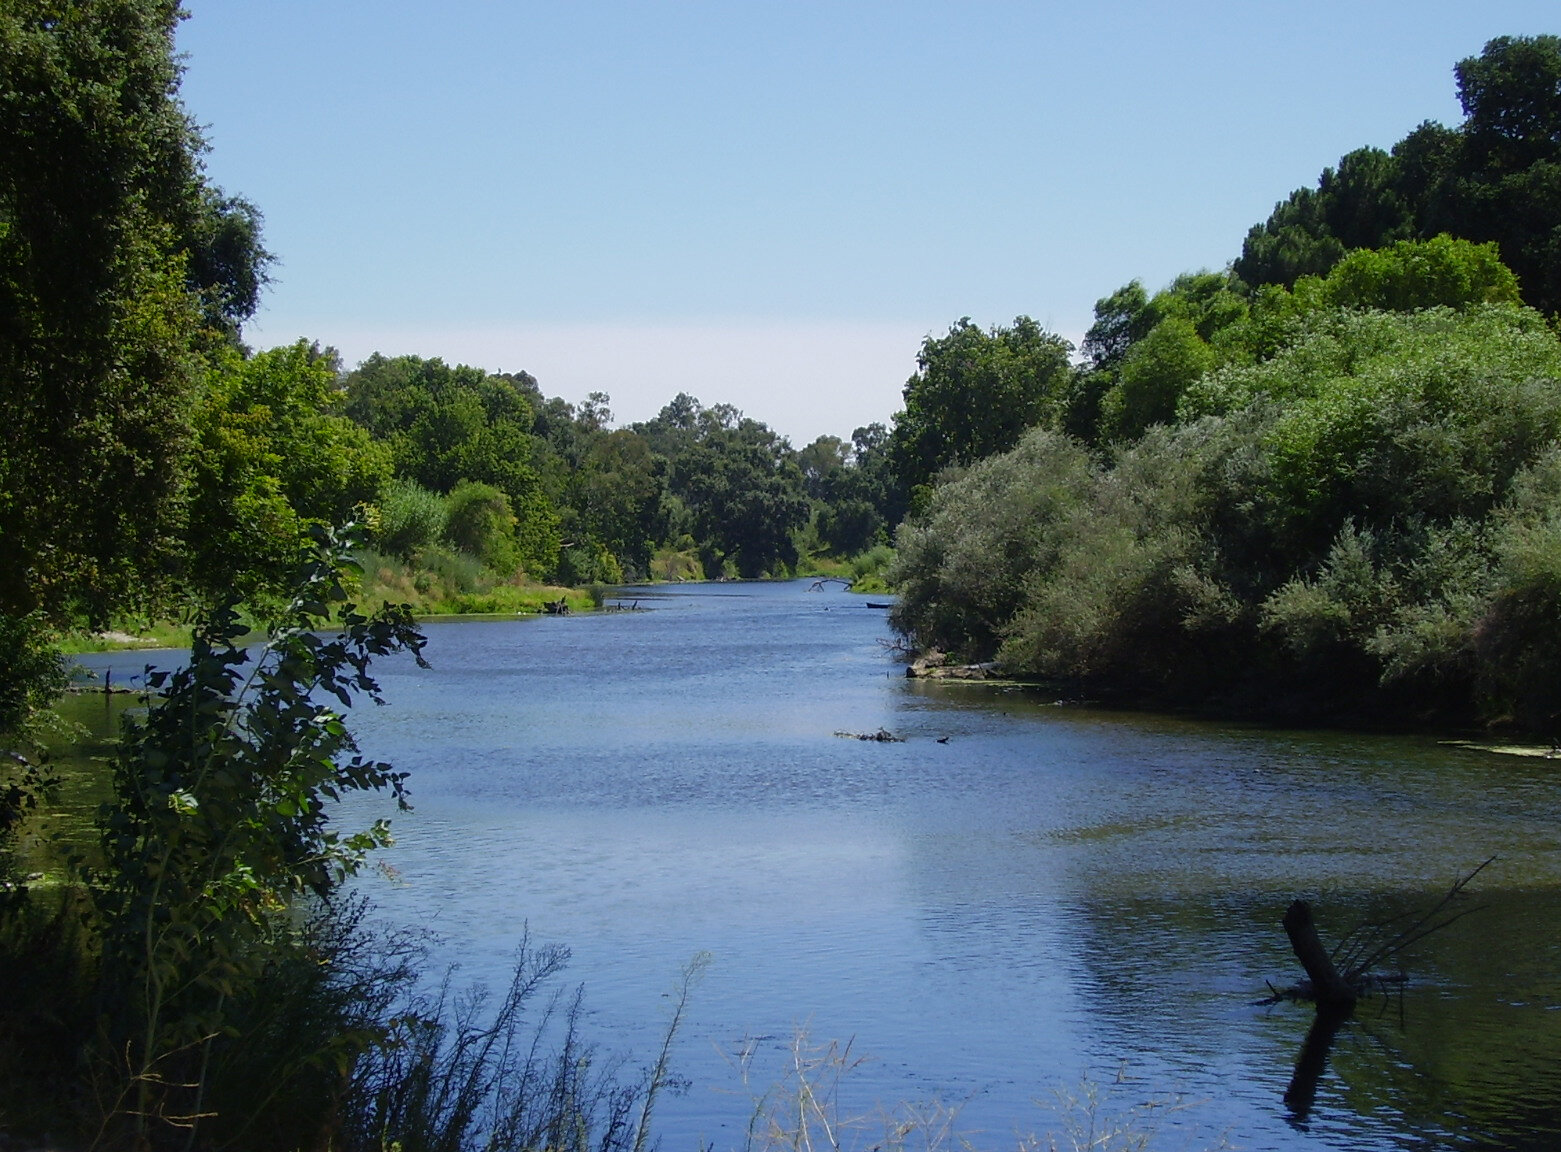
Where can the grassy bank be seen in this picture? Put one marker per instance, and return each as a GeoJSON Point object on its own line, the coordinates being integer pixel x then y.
{"type": "Point", "coordinates": [447, 583]}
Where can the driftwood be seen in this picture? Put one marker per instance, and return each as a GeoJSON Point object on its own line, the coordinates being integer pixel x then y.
{"type": "Point", "coordinates": [1332, 991]}
{"type": "Point", "coordinates": [882, 736]}
{"type": "Point", "coordinates": [1337, 980]}
{"type": "Point", "coordinates": [556, 607]}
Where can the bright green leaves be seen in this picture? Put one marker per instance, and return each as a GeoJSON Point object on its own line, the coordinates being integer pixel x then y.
{"type": "Point", "coordinates": [273, 454]}
{"type": "Point", "coordinates": [446, 425]}
{"type": "Point", "coordinates": [221, 819]}
{"type": "Point", "coordinates": [1409, 275]}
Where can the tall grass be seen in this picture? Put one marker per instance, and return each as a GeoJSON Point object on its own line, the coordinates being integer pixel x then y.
{"type": "Point", "coordinates": [448, 582]}
{"type": "Point", "coordinates": [803, 1110]}
{"type": "Point", "coordinates": [454, 1074]}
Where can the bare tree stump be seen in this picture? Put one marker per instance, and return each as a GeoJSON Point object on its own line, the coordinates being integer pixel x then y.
{"type": "Point", "coordinates": [1333, 992]}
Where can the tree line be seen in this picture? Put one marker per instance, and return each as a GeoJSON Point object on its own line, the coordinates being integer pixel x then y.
{"type": "Point", "coordinates": [1322, 483]}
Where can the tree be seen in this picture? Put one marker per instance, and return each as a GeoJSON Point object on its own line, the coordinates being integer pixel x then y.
{"type": "Point", "coordinates": [273, 456]}
{"type": "Point", "coordinates": [1357, 205]}
{"type": "Point", "coordinates": [97, 334]}
{"type": "Point", "coordinates": [120, 269]}
{"type": "Point", "coordinates": [1152, 377]}
{"type": "Point", "coordinates": [738, 480]}
{"type": "Point", "coordinates": [852, 490]}
{"type": "Point", "coordinates": [479, 522]}
{"type": "Point", "coordinates": [446, 424]}
{"type": "Point", "coordinates": [974, 393]}
{"type": "Point", "coordinates": [619, 498]}
{"type": "Point", "coordinates": [1511, 98]}
{"type": "Point", "coordinates": [822, 462]}
{"type": "Point", "coordinates": [1411, 274]}
{"type": "Point", "coordinates": [1496, 177]}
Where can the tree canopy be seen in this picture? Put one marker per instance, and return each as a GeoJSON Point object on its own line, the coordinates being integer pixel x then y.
{"type": "Point", "coordinates": [974, 393]}
{"type": "Point", "coordinates": [1496, 177]}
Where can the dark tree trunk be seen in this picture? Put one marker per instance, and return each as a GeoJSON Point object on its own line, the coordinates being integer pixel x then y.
{"type": "Point", "coordinates": [1334, 993]}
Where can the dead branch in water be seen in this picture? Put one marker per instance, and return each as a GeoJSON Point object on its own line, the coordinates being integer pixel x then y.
{"type": "Point", "coordinates": [1336, 979]}
{"type": "Point", "coordinates": [882, 736]}
{"type": "Point", "coordinates": [1367, 945]}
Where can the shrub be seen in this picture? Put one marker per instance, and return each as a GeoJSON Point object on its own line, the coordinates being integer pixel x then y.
{"type": "Point", "coordinates": [411, 518]}
{"type": "Point", "coordinates": [478, 521]}
{"type": "Point", "coordinates": [962, 567]}
{"type": "Point", "coordinates": [219, 830]}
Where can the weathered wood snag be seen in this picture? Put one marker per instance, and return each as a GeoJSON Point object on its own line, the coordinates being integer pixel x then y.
{"type": "Point", "coordinates": [1332, 991]}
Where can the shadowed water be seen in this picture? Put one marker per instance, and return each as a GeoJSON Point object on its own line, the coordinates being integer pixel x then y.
{"type": "Point", "coordinates": [1052, 902]}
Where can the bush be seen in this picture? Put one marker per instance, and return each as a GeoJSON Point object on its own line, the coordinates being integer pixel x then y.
{"type": "Point", "coordinates": [1518, 640]}
{"type": "Point", "coordinates": [478, 521]}
{"type": "Point", "coordinates": [219, 832]}
{"type": "Point", "coordinates": [411, 518]}
{"type": "Point", "coordinates": [962, 568]}
{"type": "Point", "coordinates": [588, 563]}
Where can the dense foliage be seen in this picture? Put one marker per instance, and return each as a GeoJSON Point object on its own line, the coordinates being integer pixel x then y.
{"type": "Point", "coordinates": [974, 393]}
{"type": "Point", "coordinates": [1496, 177]}
{"type": "Point", "coordinates": [1323, 482]}
{"type": "Point", "coordinates": [1318, 484]}
{"type": "Point", "coordinates": [1331, 530]}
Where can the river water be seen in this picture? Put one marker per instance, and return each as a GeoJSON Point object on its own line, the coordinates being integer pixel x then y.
{"type": "Point", "coordinates": [1041, 914]}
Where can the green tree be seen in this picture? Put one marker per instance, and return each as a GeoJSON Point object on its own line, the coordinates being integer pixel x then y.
{"type": "Point", "coordinates": [1357, 205]}
{"type": "Point", "coordinates": [273, 455]}
{"type": "Point", "coordinates": [1440, 272]}
{"type": "Point", "coordinates": [120, 269]}
{"type": "Point", "coordinates": [1511, 97]}
{"type": "Point", "coordinates": [822, 462]}
{"type": "Point", "coordinates": [1496, 177]}
{"type": "Point", "coordinates": [1152, 377]}
{"type": "Point", "coordinates": [447, 424]}
{"type": "Point", "coordinates": [620, 498]}
{"type": "Point", "coordinates": [97, 333]}
{"type": "Point", "coordinates": [478, 521]}
{"type": "Point", "coordinates": [974, 394]}
{"type": "Point", "coordinates": [738, 481]}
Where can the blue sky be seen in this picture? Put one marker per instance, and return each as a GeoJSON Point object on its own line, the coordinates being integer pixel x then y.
{"type": "Point", "coordinates": [771, 204]}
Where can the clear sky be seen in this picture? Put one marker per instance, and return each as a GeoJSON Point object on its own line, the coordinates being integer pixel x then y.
{"type": "Point", "coordinates": [770, 203]}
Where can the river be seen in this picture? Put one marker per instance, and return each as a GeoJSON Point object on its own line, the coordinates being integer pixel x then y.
{"type": "Point", "coordinates": [1030, 910]}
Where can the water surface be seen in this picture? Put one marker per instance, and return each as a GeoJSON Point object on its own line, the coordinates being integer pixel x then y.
{"type": "Point", "coordinates": [1023, 901]}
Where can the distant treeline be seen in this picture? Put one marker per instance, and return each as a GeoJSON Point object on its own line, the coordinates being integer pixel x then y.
{"type": "Point", "coordinates": [1324, 483]}
{"type": "Point", "coordinates": [434, 457]}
